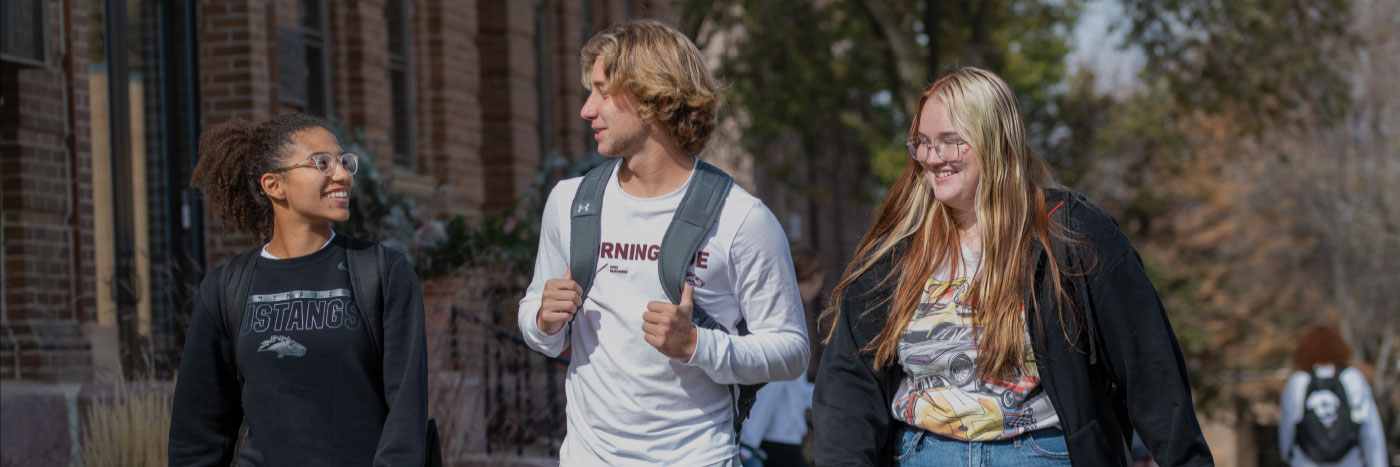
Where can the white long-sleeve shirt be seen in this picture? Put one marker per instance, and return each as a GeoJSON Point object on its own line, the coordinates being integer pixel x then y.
{"type": "Point", "coordinates": [627, 403]}
{"type": "Point", "coordinates": [1371, 450]}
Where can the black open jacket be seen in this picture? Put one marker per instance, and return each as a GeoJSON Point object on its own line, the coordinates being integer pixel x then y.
{"type": "Point", "coordinates": [1120, 366]}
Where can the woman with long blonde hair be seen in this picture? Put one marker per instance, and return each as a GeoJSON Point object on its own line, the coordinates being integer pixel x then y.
{"type": "Point", "coordinates": [990, 317]}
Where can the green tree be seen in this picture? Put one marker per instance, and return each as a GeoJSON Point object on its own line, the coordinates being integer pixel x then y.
{"type": "Point", "coordinates": [821, 70]}
{"type": "Point", "coordinates": [1267, 61]}
{"type": "Point", "coordinates": [1251, 170]}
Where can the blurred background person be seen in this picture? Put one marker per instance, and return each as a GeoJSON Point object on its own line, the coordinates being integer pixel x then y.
{"type": "Point", "coordinates": [1141, 456]}
{"type": "Point", "coordinates": [774, 432]}
{"type": "Point", "coordinates": [1328, 417]}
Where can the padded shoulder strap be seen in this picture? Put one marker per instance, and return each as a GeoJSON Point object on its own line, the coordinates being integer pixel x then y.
{"type": "Point", "coordinates": [235, 282]}
{"type": "Point", "coordinates": [585, 224]}
{"type": "Point", "coordinates": [365, 262]}
{"type": "Point", "coordinates": [699, 210]}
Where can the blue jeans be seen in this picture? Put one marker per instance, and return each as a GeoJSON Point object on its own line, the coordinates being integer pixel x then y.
{"type": "Point", "coordinates": [916, 447]}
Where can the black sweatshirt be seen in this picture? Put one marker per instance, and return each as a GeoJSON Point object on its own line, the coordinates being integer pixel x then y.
{"type": "Point", "coordinates": [1126, 371]}
{"type": "Point", "coordinates": [313, 391]}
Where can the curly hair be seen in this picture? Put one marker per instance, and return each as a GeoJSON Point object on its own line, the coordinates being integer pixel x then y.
{"type": "Point", "coordinates": [234, 155]}
{"type": "Point", "coordinates": [1321, 345]}
{"type": "Point", "coordinates": [665, 71]}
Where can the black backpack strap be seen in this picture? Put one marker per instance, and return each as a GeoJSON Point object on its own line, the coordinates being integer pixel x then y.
{"type": "Point", "coordinates": [434, 445]}
{"type": "Point", "coordinates": [368, 274]}
{"type": "Point", "coordinates": [586, 226]}
{"type": "Point", "coordinates": [235, 283]}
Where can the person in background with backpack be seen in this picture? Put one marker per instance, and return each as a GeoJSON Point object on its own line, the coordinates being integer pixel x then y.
{"type": "Point", "coordinates": [991, 318]}
{"type": "Point", "coordinates": [1327, 415]}
{"type": "Point", "coordinates": [646, 385]}
{"type": "Point", "coordinates": [322, 356]}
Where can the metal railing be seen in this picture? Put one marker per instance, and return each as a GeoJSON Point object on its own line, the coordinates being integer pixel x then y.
{"type": "Point", "coordinates": [522, 390]}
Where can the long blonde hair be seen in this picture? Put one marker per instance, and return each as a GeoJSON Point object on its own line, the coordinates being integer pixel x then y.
{"type": "Point", "coordinates": [665, 71]}
{"type": "Point", "coordinates": [1011, 213]}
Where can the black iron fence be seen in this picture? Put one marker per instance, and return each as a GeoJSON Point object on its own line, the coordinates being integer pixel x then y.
{"type": "Point", "coordinates": [493, 395]}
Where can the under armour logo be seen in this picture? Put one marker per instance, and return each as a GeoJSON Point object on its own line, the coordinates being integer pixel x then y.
{"type": "Point", "coordinates": [584, 207]}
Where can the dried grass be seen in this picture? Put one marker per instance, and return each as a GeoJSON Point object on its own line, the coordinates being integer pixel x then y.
{"type": "Point", "coordinates": [131, 428]}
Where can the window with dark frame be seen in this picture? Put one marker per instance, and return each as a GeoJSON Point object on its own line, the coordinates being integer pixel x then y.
{"type": "Point", "coordinates": [402, 125]}
{"type": "Point", "coordinates": [139, 61]}
{"type": "Point", "coordinates": [291, 67]}
{"type": "Point", "coordinates": [304, 61]}
{"type": "Point", "coordinates": [22, 29]}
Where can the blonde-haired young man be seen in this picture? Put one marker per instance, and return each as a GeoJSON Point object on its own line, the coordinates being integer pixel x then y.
{"type": "Point", "coordinates": [646, 386]}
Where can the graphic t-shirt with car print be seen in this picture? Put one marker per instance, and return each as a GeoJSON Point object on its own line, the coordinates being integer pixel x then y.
{"type": "Point", "coordinates": [942, 392]}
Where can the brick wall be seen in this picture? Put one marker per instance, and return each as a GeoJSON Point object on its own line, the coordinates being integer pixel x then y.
{"type": "Point", "coordinates": [235, 80]}
{"type": "Point", "coordinates": [80, 140]}
{"type": "Point", "coordinates": [449, 111]}
{"type": "Point", "coordinates": [476, 69]}
{"type": "Point", "coordinates": [475, 66]}
{"type": "Point", "coordinates": [509, 99]}
{"type": "Point", "coordinates": [44, 171]}
{"type": "Point", "coordinates": [606, 12]}
{"type": "Point", "coordinates": [510, 72]}
{"type": "Point", "coordinates": [570, 132]}
{"type": "Point", "coordinates": [360, 65]}
{"type": "Point", "coordinates": [234, 69]}
{"type": "Point", "coordinates": [653, 9]}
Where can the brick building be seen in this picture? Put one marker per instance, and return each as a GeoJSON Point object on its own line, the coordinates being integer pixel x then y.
{"type": "Point", "coordinates": [102, 102]}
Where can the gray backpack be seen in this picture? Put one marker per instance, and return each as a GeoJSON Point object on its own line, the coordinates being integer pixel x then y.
{"type": "Point", "coordinates": [699, 210]}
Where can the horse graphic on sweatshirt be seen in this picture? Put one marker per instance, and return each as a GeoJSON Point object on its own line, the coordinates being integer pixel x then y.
{"type": "Point", "coordinates": [283, 345]}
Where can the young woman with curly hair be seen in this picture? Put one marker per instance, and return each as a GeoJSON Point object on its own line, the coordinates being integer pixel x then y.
{"type": "Point", "coordinates": [305, 374]}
